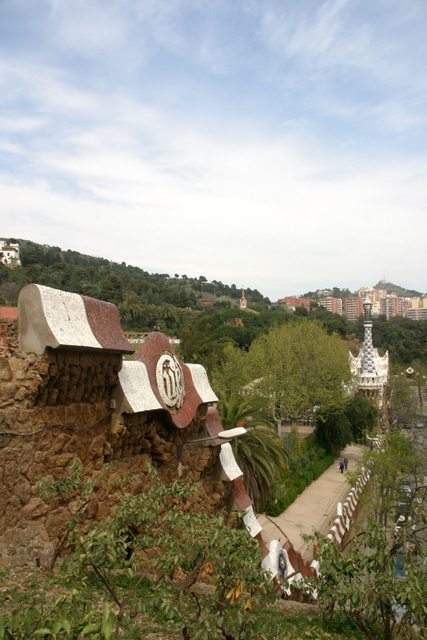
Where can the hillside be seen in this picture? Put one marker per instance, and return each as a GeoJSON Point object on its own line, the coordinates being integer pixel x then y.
{"type": "Point", "coordinates": [395, 288]}
{"type": "Point", "coordinates": [206, 315]}
{"type": "Point", "coordinates": [113, 282]}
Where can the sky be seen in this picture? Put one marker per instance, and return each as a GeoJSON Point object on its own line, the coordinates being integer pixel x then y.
{"type": "Point", "coordinates": [279, 145]}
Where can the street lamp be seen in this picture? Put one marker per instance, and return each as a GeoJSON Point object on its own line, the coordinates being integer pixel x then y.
{"type": "Point", "coordinates": [230, 434]}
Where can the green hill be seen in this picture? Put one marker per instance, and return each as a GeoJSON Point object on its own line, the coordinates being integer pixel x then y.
{"type": "Point", "coordinates": [113, 282]}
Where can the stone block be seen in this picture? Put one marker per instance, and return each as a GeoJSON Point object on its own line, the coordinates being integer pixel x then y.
{"type": "Point", "coordinates": [7, 391]}
{"type": "Point", "coordinates": [19, 364]}
{"type": "Point", "coordinates": [73, 357]}
{"type": "Point", "coordinates": [21, 394]}
{"type": "Point", "coordinates": [12, 511]}
{"type": "Point", "coordinates": [61, 461]}
{"type": "Point", "coordinates": [104, 511]}
{"type": "Point", "coordinates": [98, 463]}
{"type": "Point", "coordinates": [22, 489]}
{"type": "Point", "coordinates": [4, 499]}
{"type": "Point", "coordinates": [92, 507]}
{"type": "Point", "coordinates": [55, 522]}
{"type": "Point", "coordinates": [43, 367]}
{"type": "Point", "coordinates": [35, 472]}
{"type": "Point", "coordinates": [5, 370]}
{"type": "Point", "coordinates": [102, 493]}
{"type": "Point", "coordinates": [35, 508]}
{"type": "Point", "coordinates": [87, 359]}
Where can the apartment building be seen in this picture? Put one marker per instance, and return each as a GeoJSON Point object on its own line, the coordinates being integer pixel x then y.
{"type": "Point", "coordinates": [417, 308]}
{"type": "Point", "coordinates": [334, 305]}
{"type": "Point", "coordinates": [353, 308]}
{"type": "Point", "coordinates": [294, 301]}
{"type": "Point", "coordinates": [393, 305]}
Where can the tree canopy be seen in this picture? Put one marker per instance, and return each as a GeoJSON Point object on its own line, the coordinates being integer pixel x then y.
{"type": "Point", "coordinates": [300, 369]}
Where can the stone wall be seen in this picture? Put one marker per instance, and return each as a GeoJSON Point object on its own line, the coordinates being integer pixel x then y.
{"type": "Point", "coordinates": [66, 392]}
{"type": "Point", "coordinates": [56, 406]}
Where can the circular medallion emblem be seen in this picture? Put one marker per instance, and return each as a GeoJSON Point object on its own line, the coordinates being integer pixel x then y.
{"type": "Point", "coordinates": [170, 381]}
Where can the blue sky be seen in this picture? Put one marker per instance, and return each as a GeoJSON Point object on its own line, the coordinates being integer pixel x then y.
{"type": "Point", "coordinates": [273, 144]}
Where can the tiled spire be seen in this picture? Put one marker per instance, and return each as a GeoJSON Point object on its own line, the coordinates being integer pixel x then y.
{"type": "Point", "coordinates": [368, 358]}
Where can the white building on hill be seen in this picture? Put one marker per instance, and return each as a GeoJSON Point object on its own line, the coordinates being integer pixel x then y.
{"type": "Point", "coordinates": [9, 254]}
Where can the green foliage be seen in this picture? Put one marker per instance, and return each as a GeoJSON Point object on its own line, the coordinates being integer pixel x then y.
{"type": "Point", "coordinates": [230, 375]}
{"type": "Point", "coordinates": [403, 338]}
{"type": "Point", "coordinates": [156, 534]}
{"type": "Point", "coordinates": [350, 423]}
{"type": "Point", "coordinates": [395, 288]}
{"type": "Point", "coordinates": [364, 586]}
{"type": "Point", "coordinates": [362, 416]}
{"type": "Point", "coordinates": [298, 367]}
{"type": "Point", "coordinates": [403, 406]}
{"type": "Point", "coordinates": [259, 453]}
{"type": "Point", "coordinates": [303, 470]}
{"type": "Point", "coordinates": [381, 568]}
{"type": "Point", "coordinates": [68, 618]}
{"type": "Point", "coordinates": [333, 432]}
{"type": "Point", "coordinates": [333, 322]}
{"type": "Point", "coordinates": [398, 464]}
{"type": "Point", "coordinates": [199, 345]}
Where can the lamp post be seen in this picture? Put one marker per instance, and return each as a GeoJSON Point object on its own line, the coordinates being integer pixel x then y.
{"type": "Point", "coordinates": [222, 435]}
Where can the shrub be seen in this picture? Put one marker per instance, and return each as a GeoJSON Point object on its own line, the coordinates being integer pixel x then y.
{"type": "Point", "coordinates": [303, 471]}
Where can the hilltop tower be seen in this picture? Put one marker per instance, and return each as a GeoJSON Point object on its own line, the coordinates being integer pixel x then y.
{"type": "Point", "coordinates": [243, 301]}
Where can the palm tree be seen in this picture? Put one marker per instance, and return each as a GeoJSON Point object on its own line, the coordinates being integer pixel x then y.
{"type": "Point", "coordinates": [260, 453]}
{"type": "Point", "coordinates": [131, 308]}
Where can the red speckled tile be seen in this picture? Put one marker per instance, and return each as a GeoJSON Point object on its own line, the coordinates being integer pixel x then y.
{"type": "Point", "coordinates": [104, 321]}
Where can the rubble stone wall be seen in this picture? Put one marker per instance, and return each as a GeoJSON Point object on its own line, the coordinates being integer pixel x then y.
{"type": "Point", "coordinates": [57, 406]}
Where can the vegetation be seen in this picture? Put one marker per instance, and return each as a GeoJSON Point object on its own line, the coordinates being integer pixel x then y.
{"type": "Point", "coordinates": [205, 315]}
{"type": "Point", "coordinates": [404, 403]}
{"type": "Point", "coordinates": [378, 579]}
{"type": "Point", "coordinates": [138, 573]}
{"type": "Point", "coordinates": [303, 470]}
{"type": "Point", "coordinates": [400, 291]}
{"type": "Point", "coordinates": [403, 338]}
{"type": "Point", "coordinates": [114, 282]}
{"type": "Point", "coordinates": [350, 423]}
{"type": "Point", "coordinates": [300, 369]}
{"type": "Point", "coordinates": [260, 453]}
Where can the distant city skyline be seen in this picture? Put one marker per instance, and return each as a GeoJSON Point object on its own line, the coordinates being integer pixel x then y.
{"type": "Point", "coordinates": [397, 302]}
{"type": "Point", "coordinates": [361, 286]}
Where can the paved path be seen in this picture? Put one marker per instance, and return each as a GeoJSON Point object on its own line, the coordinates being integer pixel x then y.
{"type": "Point", "coordinates": [315, 508]}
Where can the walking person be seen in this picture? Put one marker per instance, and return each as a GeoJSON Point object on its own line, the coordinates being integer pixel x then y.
{"type": "Point", "coordinates": [342, 466]}
{"type": "Point", "coordinates": [345, 464]}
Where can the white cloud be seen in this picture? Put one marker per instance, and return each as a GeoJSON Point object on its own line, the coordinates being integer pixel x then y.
{"type": "Point", "coordinates": [182, 178]}
{"type": "Point", "coordinates": [218, 206]}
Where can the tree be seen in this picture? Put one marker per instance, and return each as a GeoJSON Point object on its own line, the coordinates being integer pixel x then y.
{"type": "Point", "coordinates": [419, 379]}
{"type": "Point", "coordinates": [300, 369]}
{"type": "Point", "coordinates": [260, 453]}
{"type": "Point", "coordinates": [231, 375]}
{"type": "Point", "coordinates": [371, 584]}
{"type": "Point", "coordinates": [378, 578]}
{"type": "Point", "coordinates": [301, 311]}
{"type": "Point", "coordinates": [131, 308]}
{"type": "Point", "coordinates": [403, 402]}
{"type": "Point", "coordinates": [333, 432]}
{"type": "Point", "coordinates": [198, 343]}
{"type": "Point", "coordinates": [362, 416]}
{"type": "Point", "coordinates": [348, 424]}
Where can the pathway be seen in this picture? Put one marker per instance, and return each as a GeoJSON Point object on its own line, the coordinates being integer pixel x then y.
{"type": "Point", "coordinates": [315, 508]}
